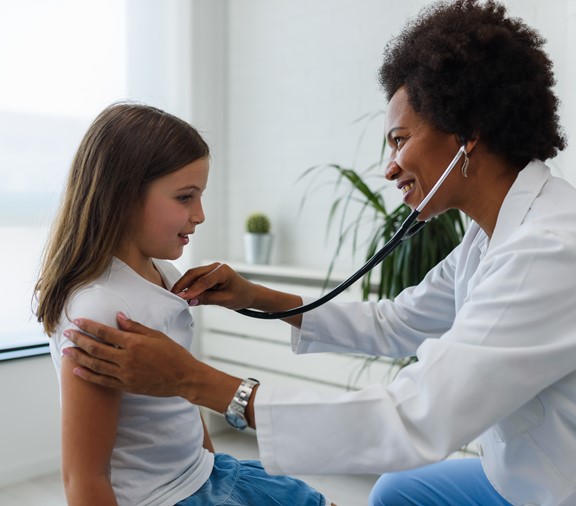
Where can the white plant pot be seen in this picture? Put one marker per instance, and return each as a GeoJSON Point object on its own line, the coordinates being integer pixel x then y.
{"type": "Point", "coordinates": [257, 248]}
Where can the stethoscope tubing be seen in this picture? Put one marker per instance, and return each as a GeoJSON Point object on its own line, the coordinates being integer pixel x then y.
{"type": "Point", "coordinates": [407, 229]}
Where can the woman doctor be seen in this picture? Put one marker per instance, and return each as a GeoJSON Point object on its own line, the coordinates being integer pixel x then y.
{"type": "Point", "coordinates": [493, 325]}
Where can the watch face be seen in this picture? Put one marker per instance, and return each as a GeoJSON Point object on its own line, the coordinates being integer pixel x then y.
{"type": "Point", "coordinates": [237, 420]}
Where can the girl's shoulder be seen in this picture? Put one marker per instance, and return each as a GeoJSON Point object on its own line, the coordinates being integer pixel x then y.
{"type": "Point", "coordinates": [94, 302]}
{"type": "Point", "coordinates": [97, 302]}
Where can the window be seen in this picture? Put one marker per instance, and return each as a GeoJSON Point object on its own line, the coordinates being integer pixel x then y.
{"type": "Point", "coordinates": [63, 62]}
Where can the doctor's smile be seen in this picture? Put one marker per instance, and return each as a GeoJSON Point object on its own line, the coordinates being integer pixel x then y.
{"type": "Point", "coordinates": [406, 187]}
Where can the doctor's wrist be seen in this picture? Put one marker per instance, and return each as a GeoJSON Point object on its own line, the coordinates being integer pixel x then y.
{"type": "Point", "coordinates": [209, 387]}
{"type": "Point", "coordinates": [269, 300]}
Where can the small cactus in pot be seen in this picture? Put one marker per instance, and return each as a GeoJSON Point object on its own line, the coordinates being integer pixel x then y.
{"type": "Point", "coordinates": [257, 239]}
{"type": "Point", "coordinates": [258, 223]}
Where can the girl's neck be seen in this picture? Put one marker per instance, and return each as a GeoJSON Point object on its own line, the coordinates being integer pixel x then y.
{"type": "Point", "coordinates": [144, 267]}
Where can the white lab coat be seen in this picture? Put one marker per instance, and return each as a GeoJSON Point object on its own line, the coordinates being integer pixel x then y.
{"type": "Point", "coordinates": [494, 328]}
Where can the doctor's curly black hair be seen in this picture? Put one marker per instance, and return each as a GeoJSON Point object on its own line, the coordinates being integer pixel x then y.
{"type": "Point", "coordinates": [470, 70]}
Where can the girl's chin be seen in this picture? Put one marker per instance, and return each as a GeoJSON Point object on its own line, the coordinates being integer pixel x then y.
{"type": "Point", "coordinates": [170, 255]}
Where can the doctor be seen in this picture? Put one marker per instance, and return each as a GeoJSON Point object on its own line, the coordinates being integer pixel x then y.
{"type": "Point", "coordinates": [493, 325]}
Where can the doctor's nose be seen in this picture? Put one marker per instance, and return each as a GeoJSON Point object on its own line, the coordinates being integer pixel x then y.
{"type": "Point", "coordinates": [392, 171]}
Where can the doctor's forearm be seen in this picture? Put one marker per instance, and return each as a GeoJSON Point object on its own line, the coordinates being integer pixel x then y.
{"type": "Point", "coordinates": [206, 386]}
{"type": "Point", "coordinates": [266, 299]}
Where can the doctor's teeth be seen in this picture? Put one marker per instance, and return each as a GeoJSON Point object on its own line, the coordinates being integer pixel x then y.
{"type": "Point", "coordinates": [407, 187]}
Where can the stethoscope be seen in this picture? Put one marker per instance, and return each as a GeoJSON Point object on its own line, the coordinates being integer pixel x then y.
{"type": "Point", "coordinates": [405, 231]}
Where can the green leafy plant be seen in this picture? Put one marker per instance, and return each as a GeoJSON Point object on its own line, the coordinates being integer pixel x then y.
{"type": "Point", "coordinates": [258, 223]}
{"type": "Point", "coordinates": [410, 262]}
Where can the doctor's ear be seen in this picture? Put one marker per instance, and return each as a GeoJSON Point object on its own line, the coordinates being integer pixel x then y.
{"type": "Point", "coordinates": [469, 142]}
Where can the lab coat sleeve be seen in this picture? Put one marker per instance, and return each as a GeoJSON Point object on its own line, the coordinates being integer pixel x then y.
{"type": "Point", "coordinates": [513, 338]}
{"type": "Point", "coordinates": [390, 328]}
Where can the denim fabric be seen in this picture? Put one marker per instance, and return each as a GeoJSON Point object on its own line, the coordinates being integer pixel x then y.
{"type": "Point", "coordinates": [454, 482]}
{"type": "Point", "coordinates": [245, 483]}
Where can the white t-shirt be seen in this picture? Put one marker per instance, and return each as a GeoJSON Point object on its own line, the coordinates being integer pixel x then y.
{"type": "Point", "coordinates": [158, 458]}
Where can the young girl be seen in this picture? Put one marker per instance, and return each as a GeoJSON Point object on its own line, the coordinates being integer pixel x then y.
{"type": "Point", "coordinates": [132, 200]}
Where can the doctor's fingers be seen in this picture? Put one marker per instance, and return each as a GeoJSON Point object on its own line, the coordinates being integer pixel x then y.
{"type": "Point", "coordinates": [103, 333]}
{"type": "Point", "coordinates": [91, 347]}
{"type": "Point", "coordinates": [223, 287]}
{"type": "Point", "coordinates": [227, 299]}
{"type": "Point", "coordinates": [198, 280]}
{"type": "Point", "coordinates": [93, 369]}
{"type": "Point", "coordinates": [98, 379]}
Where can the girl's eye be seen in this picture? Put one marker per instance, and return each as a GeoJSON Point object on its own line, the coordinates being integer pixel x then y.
{"type": "Point", "coordinates": [185, 198]}
{"type": "Point", "coordinates": [398, 140]}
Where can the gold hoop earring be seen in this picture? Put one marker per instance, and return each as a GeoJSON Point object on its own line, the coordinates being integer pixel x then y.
{"type": "Point", "coordinates": [465, 164]}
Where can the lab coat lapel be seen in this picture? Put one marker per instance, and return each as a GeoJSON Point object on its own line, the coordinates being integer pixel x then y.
{"type": "Point", "coordinates": [518, 201]}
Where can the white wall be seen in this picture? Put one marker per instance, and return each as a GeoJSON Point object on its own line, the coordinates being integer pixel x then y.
{"type": "Point", "coordinates": [301, 73]}
{"type": "Point", "coordinates": [298, 75]}
{"type": "Point", "coordinates": [209, 113]}
{"type": "Point", "coordinates": [29, 419]}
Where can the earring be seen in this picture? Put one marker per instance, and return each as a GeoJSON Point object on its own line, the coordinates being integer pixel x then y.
{"type": "Point", "coordinates": [465, 165]}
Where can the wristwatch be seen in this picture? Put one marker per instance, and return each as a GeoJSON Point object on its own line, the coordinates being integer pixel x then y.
{"type": "Point", "coordinates": [236, 412]}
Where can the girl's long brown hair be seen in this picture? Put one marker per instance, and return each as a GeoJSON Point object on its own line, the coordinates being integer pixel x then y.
{"type": "Point", "coordinates": [126, 148]}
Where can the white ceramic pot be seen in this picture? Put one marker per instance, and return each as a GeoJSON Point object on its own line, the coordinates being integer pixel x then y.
{"type": "Point", "coordinates": [257, 248]}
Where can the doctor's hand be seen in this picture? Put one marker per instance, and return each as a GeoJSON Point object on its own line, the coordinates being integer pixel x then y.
{"type": "Point", "coordinates": [219, 284]}
{"type": "Point", "coordinates": [133, 358]}
{"type": "Point", "coordinates": [216, 284]}
{"type": "Point", "coordinates": [137, 359]}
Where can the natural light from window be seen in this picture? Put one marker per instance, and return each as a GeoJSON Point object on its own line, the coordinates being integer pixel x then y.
{"type": "Point", "coordinates": [63, 61]}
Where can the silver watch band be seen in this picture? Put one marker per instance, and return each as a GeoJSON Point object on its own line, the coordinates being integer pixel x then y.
{"type": "Point", "coordinates": [236, 413]}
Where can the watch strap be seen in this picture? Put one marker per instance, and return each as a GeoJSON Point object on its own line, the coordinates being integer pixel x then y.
{"type": "Point", "coordinates": [236, 412]}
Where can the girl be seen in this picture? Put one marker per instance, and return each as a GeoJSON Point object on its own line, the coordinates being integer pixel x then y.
{"type": "Point", "coordinates": [132, 200]}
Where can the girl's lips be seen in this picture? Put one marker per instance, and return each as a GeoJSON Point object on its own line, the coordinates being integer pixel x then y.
{"type": "Point", "coordinates": [184, 238]}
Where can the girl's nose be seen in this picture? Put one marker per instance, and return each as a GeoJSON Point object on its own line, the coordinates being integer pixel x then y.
{"type": "Point", "coordinates": [198, 215]}
{"type": "Point", "coordinates": [392, 171]}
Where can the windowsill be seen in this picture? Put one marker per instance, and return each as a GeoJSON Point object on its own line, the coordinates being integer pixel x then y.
{"type": "Point", "coordinates": [24, 352]}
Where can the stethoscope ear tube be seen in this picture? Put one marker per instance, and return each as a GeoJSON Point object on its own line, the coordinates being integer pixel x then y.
{"type": "Point", "coordinates": [408, 228]}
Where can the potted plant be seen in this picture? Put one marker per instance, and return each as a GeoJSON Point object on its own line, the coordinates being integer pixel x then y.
{"type": "Point", "coordinates": [257, 239]}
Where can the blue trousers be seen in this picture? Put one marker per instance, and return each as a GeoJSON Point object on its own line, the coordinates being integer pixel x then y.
{"type": "Point", "coordinates": [246, 483]}
{"type": "Point", "coordinates": [454, 482]}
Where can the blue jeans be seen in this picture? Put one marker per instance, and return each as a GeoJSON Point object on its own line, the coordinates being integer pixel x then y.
{"type": "Point", "coordinates": [246, 483]}
{"type": "Point", "coordinates": [454, 482]}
